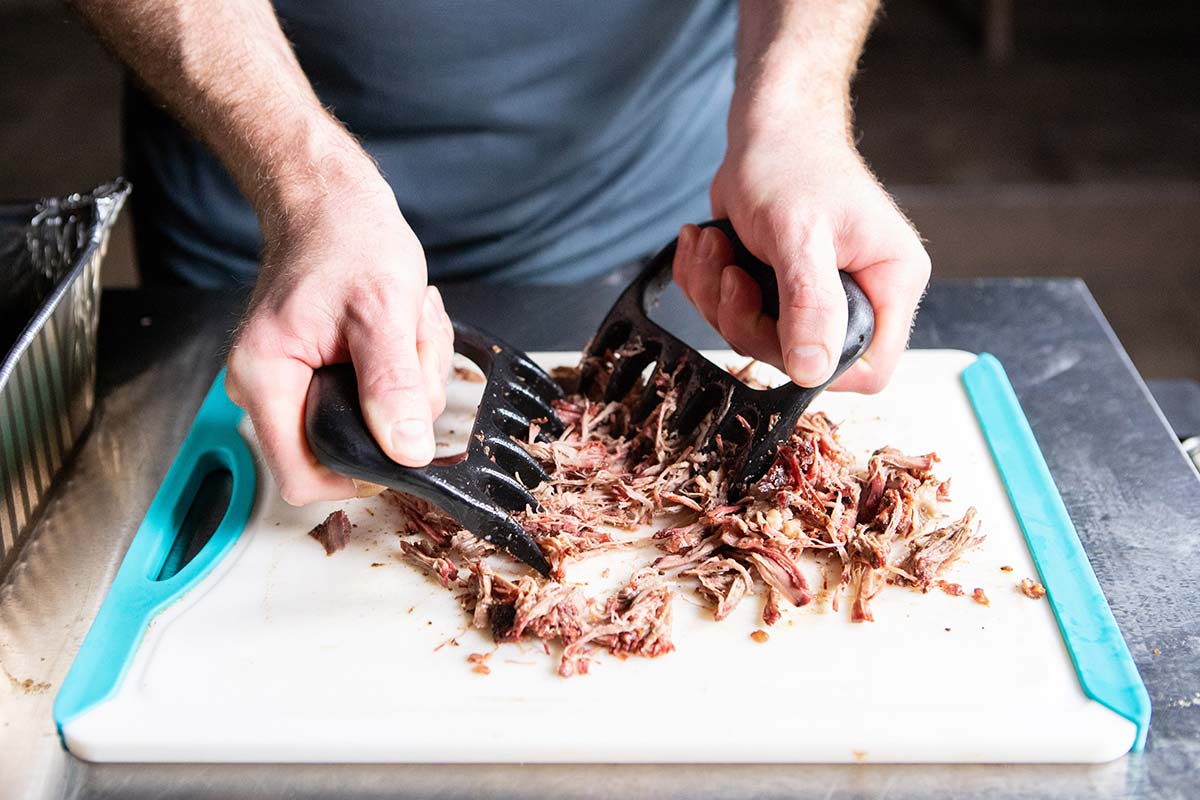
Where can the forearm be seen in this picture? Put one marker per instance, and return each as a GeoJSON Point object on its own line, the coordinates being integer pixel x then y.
{"type": "Point", "coordinates": [342, 275]}
{"type": "Point", "coordinates": [795, 61]}
{"type": "Point", "coordinates": [225, 69]}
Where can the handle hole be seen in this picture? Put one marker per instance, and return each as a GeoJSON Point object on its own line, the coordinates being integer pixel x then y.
{"type": "Point", "coordinates": [696, 408]}
{"type": "Point", "coordinates": [631, 371]}
{"type": "Point", "coordinates": [612, 337]}
{"type": "Point", "coordinates": [674, 314]}
{"type": "Point", "coordinates": [204, 513]}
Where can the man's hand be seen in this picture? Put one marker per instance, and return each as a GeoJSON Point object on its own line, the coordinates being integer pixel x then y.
{"type": "Point", "coordinates": [809, 212]}
{"type": "Point", "coordinates": [342, 279]}
{"type": "Point", "coordinates": [343, 276]}
{"type": "Point", "coordinates": [802, 200]}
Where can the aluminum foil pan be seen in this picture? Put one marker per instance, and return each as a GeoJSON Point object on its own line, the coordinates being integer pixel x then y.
{"type": "Point", "coordinates": [50, 253]}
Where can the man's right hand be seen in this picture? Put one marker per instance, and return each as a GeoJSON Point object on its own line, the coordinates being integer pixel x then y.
{"type": "Point", "coordinates": [343, 278]}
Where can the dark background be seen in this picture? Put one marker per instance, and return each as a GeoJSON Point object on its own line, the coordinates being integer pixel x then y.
{"type": "Point", "coordinates": [1023, 138]}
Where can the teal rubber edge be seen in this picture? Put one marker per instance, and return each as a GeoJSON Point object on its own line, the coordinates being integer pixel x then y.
{"type": "Point", "coordinates": [1102, 661]}
{"type": "Point", "coordinates": [136, 597]}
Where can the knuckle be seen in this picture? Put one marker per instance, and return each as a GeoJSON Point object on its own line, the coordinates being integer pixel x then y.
{"type": "Point", "coordinates": [243, 352]}
{"type": "Point", "coordinates": [371, 331]}
{"type": "Point", "coordinates": [818, 298]}
{"type": "Point", "coordinates": [239, 375]}
{"type": "Point", "coordinates": [237, 366]}
{"type": "Point", "coordinates": [392, 378]}
{"type": "Point", "coordinates": [873, 382]}
{"type": "Point", "coordinates": [780, 221]}
{"type": "Point", "coordinates": [923, 265]}
{"type": "Point", "coordinates": [294, 492]}
{"type": "Point", "coordinates": [267, 336]}
{"type": "Point", "coordinates": [792, 227]}
{"type": "Point", "coordinates": [381, 295]}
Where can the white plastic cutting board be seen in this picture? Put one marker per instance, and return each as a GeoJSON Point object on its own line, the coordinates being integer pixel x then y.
{"type": "Point", "coordinates": [284, 654]}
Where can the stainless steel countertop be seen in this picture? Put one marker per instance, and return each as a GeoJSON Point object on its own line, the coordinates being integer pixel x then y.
{"type": "Point", "coordinates": [1124, 479]}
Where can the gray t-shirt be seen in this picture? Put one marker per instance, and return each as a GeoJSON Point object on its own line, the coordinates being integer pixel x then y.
{"type": "Point", "coordinates": [525, 141]}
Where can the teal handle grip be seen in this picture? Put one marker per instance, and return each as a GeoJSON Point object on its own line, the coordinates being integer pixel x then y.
{"type": "Point", "coordinates": [136, 596]}
{"type": "Point", "coordinates": [1102, 660]}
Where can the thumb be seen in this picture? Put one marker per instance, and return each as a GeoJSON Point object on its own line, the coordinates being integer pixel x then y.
{"type": "Point", "coordinates": [392, 390]}
{"type": "Point", "coordinates": [812, 310]}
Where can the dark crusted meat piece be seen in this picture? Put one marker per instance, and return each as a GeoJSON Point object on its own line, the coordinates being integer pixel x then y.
{"type": "Point", "coordinates": [333, 533]}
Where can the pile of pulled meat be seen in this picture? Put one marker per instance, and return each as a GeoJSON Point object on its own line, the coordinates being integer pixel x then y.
{"type": "Point", "coordinates": [857, 528]}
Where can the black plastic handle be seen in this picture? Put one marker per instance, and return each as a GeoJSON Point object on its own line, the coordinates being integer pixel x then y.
{"type": "Point", "coordinates": [860, 318]}
{"type": "Point", "coordinates": [480, 491]}
{"type": "Point", "coordinates": [776, 410]}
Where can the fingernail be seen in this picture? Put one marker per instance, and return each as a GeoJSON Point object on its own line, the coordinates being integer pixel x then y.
{"type": "Point", "coordinates": [707, 247]}
{"type": "Point", "coordinates": [807, 364]}
{"type": "Point", "coordinates": [413, 437]}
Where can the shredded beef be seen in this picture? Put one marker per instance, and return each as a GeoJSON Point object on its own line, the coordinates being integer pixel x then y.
{"type": "Point", "coordinates": [422, 555]}
{"type": "Point", "coordinates": [858, 529]}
